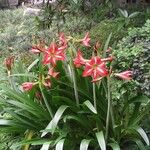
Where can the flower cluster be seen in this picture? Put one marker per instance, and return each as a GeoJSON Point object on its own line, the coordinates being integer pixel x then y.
{"type": "Point", "coordinates": [96, 67]}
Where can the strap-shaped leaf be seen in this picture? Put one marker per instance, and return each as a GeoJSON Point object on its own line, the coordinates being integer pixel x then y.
{"type": "Point", "coordinates": [134, 14]}
{"type": "Point", "coordinates": [33, 64]}
{"type": "Point", "coordinates": [5, 122]}
{"type": "Point", "coordinates": [60, 145]}
{"type": "Point", "coordinates": [90, 106]}
{"type": "Point", "coordinates": [139, 144]}
{"type": "Point", "coordinates": [101, 140]}
{"type": "Point", "coordinates": [53, 123]}
{"type": "Point", "coordinates": [106, 44]}
{"type": "Point", "coordinates": [143, 135]}
{"type": "Point", "coordinates": [45, 147]}
{"type": "Point", "coordinates": [114, 146]}
{"type": "Point", "coordinates": [84, 144]}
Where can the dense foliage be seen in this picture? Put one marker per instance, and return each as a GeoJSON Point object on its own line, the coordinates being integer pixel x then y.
{"type": "Point", "coordinates": [47, 99]}
{"type": "Point", "coordinates": [133, 52]}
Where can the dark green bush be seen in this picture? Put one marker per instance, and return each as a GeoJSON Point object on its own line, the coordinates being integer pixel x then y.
{"type": "Point", "coordinates": [133, 51]}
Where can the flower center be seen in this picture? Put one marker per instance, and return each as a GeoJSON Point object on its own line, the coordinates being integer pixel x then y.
{"type": "Point", "coordinates": [95, 66]}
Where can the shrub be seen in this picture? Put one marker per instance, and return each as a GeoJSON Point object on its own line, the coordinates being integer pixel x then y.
{"type": "Point", "coordinates": [133, 52]}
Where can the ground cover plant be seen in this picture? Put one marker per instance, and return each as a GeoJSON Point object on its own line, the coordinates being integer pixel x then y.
{"type": "Point", "coordinates": [63, 101]}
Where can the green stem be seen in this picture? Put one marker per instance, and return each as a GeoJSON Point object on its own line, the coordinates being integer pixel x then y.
{"type": "Point", "coordinates": [94, 96]}
{"type": "Point", "coordinates": [28, 137]}
{"type": "Point", "coordinates": [46, 102]}
{"type": "Point", "coordinates": [75, 86]}
{"type": "Point", "coordinates": [74, 77]}
{"type": "Point", "coordinates": [108, 108]}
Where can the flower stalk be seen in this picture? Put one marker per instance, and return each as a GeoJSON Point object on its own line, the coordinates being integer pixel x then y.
{"type": "Point", "coordinates": [46, 102]}
{"type": "Point", "coordinates": [75, 87]}
{"type": "Point", "coordinates": [74, 78]}
{"type": "Point", "coordinates": [94, 96]}
{"type": "Point", "coordinates": [108, 108]}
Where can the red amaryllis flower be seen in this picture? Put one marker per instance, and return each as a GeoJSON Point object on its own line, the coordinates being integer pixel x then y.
{"type": "Point", "coordinates": [38, 95]}
{"type": "Point", "coordinates": [111, 58]}
{"type": "Point", "coordinates": [53, 54]}
{"type": "Point", "coordinates": [38, 48]}
{"type": "Point", "coordinates": [35, 50]}
{"type": "Point", "coordinates": [79, 60]}
{"type": "Point", "coordinates": [27, 86]}
{"type": "Point", "coordinates": [109, 50]}
{"type": "Point", "coordinates": [126, 75]}
{"type": "Point", "coordinates": [95, 68]}
{"type": "Point", "coordinates": [47, 82]}
{"type": "Point", "coordinates": [97, 46]}
{"type": "Point", "coordinates": [52, 72]}
{"type": "Point", "coordinates": [85, 41]}
{"type": "Point", "coordinates": [9, 62]}
{"type": "Point", "coordinates": [97, 79]}
{"type": "Point", "coordinates": [62, 39]}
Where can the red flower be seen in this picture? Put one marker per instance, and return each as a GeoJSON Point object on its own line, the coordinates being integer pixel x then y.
{"type": "Point", "coordinates": [95, 68]}
{"type": "Point", "coordinates": [52, 73]}
{"type": "Point", "coordinates": [97, 46]}
{"type": "Point", "coordinates": [97, 79]}
{"type": "Point", "coordinates": [79, 60]}
{"type": "Point", "coordinates": [27, 86]}
{"type": "Point", "coordinates": [111, 58]}
{"type": "Point", "coordinates": [85, 41]}
{"type": "Point", "coordinates": [38, 48]}
{"type": "Point", "coordinates": [53, 54]}
{"type": "Point", "coordinates": [109, 50]}
{"type": "Point", "coordinates": [38, 95]}
{"type": "Point", "coordinates": [47, 82]}
{"type": "Point", "coordinates": [9, 62]}
{"type": "Point", "coordinates": [62, 39]}
{"type": "Point", "coordinates": [35, 50]}
{"type": "Point", "coordinates": [126, 75]}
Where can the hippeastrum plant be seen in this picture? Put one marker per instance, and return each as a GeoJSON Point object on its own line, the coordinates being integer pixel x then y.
{"type": "Point", "coordinates": [64, 101]}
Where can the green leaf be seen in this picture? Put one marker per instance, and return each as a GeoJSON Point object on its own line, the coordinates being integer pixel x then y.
{"type": "Point", "coordinates": [53, 123]}
{"type": "Point", "coordinates": [5, 122]}
{"type": "Point", "coordinates": [45, 146]}
{"type": "Point", "coordinates": [140, 98]}
{"type": "Point", "coordinates": [143, 135]}
{"type": "Point", "coordinates": [101, 140]}
{"type": "Point", "coordinates": [33, 64]}
{"type": "Point", "coordinates": [23, 75]}
{"type": "Point", "coordinates": [114, 146]}
{"type": "Point", "coordinates": [84, 144]}
{"type": "Point", "coordinates": [139, 144]}
{"type": "Point", "coordinates": [90, 106]}
{"type": "Point", "coordinates": [133, 14]}
{"type": "Point", "coordinates": [33, 142]}
{"type": "Point", "coordinates": [106, 44]}
{"type": "Point", "coordinates": [60, 144]}
{"type": "Point", "coordinates": [125, 14]}
{"type": "Point", "coordinates": [75, 1]}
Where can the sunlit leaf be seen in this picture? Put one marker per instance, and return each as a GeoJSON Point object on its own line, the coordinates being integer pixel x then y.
{"type": "Point", "coordinates": [45, 147]}
{"type": "Point", "coordinates": [53, 124]}
{"type": "Point", "coordinates": [143, 135]}
{"type": "Point", "coordinates": [90, 106]}
{"type": "Point", "coordinates": [114, 146]}
{"type": "Point", "coordinates": [101, 140]}
{"type": "Point", "coordinates": [60, 144]}
{"type": "Point", "coordinates": [84, 144]}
